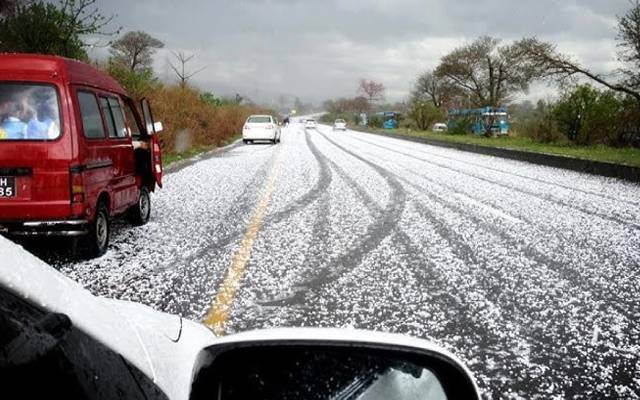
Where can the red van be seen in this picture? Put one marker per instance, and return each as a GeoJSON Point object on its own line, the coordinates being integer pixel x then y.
{"type": "Point", "coordinates": [74, 151]}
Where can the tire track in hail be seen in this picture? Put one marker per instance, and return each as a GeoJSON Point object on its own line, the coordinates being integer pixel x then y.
{"type": "Point", "coordinates": [520, 311]}
{"type": "Point", "coordinates": [627, 309]}
{"type": "Point", "coordinates": [312, 266]}
{"type": "Point", "coordinates": [375, 234]}
{"type": "Point", "coordinates": [463, 322]}
{"type": "Point", "coordinates": [587, 192]}
{"type": "Point", "coordinates": [469, 328]}
{"type": "Point", "coordinates": [542, 339]}
{"type": "Point", "coordinates": [517, 311]}
{"type": "Point", "coordinates": [550, 199]}
{"type": "Point", "coordinates": [320, 188]}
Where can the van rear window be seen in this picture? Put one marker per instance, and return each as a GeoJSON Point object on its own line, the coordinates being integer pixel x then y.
{"type": "Point", "coordinates": [29, 112]}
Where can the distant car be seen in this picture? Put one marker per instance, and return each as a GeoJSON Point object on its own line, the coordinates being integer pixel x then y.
{"type": "Point", "coordinates": [261, 127]}
{"type": "Point", "coordinates": [310, 124]}
{"type": "Point", "coordinates": [340, 125]}
{"type": "Point", "coordinates": [440, 127]}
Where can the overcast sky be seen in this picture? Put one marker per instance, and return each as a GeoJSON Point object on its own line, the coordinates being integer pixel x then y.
{"type": "Point", "coordinates": [318, 49]}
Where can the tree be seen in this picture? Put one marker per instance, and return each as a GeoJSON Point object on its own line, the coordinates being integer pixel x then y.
{"type": "Point", "coordinates": [485, 72]}
{"type": "Point", "coordinates": [360, 104]}
{"type": "Point", "coordinates": [550, 63]}
{"type": "Point", "coordinates": [9, 7]}
{"type": "Point", "coordinates": [47, 28]}
{"type": "Point", "coordinates": [629, 44]}
{"type": "Point", "coordinates": [424, 113]}
{"type": "Point", "coordinates": [181, 70]}
{"type": "Point", "coordinates": [135, 49]}
{"type": "Point", "coordinates": [137, 83]}
{"type": "Point", "coordinates": [431, 87]}
{"type": "Point", "coordinates": [587, 115]}
{"type": "Point", "coordinates": [372, 91]}
{"type": "Point", "coordinates": [545, 58]}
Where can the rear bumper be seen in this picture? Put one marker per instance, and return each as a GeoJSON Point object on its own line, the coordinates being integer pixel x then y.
{"type": "Point", "coordinates": [259, 136]}
{"type": "Point", "coordinates": [68, 228]}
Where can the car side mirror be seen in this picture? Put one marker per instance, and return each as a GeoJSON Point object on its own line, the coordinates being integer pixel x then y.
{"type": "Point", "coordinates": [329, 364]}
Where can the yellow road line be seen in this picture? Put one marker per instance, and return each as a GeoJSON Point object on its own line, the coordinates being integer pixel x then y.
{"type": "Point", "coordinates": [218, 314]}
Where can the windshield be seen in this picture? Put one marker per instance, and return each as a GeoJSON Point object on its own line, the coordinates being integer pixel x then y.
{"type": "Point", "coordinates": [28, 112]}
{"type": "Point", "coordinates": [463, 172]}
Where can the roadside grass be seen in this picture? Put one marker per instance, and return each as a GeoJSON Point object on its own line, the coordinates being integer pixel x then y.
{"type": "Point", "coordinates": [625, 155]}
{"type": "Point", "coordinates": [172, 157]}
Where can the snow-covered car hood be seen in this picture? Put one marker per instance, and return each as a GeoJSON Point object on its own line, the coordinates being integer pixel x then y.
{"type": "Point", "coordinates": [162, 346]}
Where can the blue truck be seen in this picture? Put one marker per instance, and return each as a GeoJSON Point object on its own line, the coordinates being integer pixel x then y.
{"type": "Point", "coordinates": [479, 120]}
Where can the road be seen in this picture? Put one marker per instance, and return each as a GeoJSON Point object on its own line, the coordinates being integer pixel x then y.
{"type": "Point", "coordinates": [530, 274]}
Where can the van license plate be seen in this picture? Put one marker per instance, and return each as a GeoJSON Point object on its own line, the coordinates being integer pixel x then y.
{"type": "Point", "coordinates": [7, 186]}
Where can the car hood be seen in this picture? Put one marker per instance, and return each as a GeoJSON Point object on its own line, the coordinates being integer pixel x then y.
{"type": "Point", "coordinates": [162, 346]}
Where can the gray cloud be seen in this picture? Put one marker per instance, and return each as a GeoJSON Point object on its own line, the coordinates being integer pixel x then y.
{"type": "Point", "coordinates": [319, 49]}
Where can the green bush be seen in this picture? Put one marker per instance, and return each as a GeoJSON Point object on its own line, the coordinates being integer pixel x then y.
{"type": "Point", "coordinates": [589, 116]}
{"type": "Point", "coordinates": [376, 121]}
{"type": "Point", "coordinates": [137, 83]}
{"type": "Point", "coordinates": [461, 126]}
{"type": "Point", "coordinates": [424, 114]}
{"type": "Point", "coordinates": [210, 98]}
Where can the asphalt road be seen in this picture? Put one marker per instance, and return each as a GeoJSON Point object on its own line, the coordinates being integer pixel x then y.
{"type": "Point", "coordinates": [530, 274]}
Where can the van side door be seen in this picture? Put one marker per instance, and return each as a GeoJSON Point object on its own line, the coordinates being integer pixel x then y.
{"type": "Point", "coordinates": [95, 162]}
{"type": "Point", "coordinates": [153, 130]}
{"type": "Point", "coordinates": [125, 190]}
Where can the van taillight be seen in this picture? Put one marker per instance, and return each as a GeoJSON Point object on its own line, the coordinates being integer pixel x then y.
{"type": "Point", "coordinates": [77, 187]}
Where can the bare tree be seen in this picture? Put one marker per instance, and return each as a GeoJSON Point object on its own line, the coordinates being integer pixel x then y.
{"type": "Point", "coordinates": [629, 44]}
{"type": "Point", "coordinates": [545, 58]}
{"type": "Point", "coordinates": [372, 90]}
{"type": "Point", "coordinates": [428, 85]}
{"type": "Point", "coordinates": [487, 73]}
{"type": "Point", "coordinates": [180, 70]}
{"type": "Point", "coordinates": [135, 49]}
{"type": "Point", "coordinates": [439, 91]}
{"type": "Point", "coordinates": [550, 63]}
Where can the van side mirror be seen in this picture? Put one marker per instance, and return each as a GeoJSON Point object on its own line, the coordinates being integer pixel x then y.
{"type": "Point", "coordinates": [157, 127]}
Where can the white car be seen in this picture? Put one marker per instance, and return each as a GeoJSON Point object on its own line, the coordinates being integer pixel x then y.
{"type": "Point", "coordinates": [340, 125]}
{"type": "Point", "coordinates": [440, 127]}
{"type": "Point", "coordinates": [261, 128]}
{"type": "Point", "coordinates": [58, 341]}
{"type": "Point", "coordinates": [310, 124]}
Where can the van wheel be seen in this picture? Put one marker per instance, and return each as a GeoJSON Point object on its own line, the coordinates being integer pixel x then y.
{"type": "Point", "coordinates": [140, 212]}
{"type": "Point", "coordinates": [100, 231]}
{"type": "Point", "coordinates": [245, 141]}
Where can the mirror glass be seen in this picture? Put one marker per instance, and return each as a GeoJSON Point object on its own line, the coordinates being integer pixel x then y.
{"type": "Point", "coordinates": [295, 372]}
